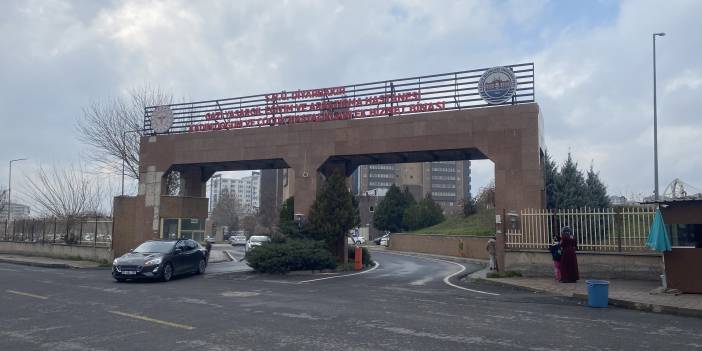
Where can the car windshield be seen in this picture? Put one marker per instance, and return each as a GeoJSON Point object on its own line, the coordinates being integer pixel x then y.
{"type": "Point", "coordinates": [259, 239]}
{"type": "Point", "coordinates": [155, 247]}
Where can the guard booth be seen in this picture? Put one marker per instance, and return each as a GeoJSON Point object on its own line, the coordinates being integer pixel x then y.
{"type": "Point", "coordinates": [683, 265]}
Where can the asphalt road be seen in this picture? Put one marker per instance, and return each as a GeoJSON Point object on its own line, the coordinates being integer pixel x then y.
{"type": "Point", "coordinates": [403, 304]}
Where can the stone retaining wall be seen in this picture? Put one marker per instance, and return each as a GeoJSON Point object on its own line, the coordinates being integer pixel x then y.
{"type": "Point", "coordinates": [447, 245]}
{"type": "Point", "coordinates": [602, 265]}
{"type": "Point", "coordinates": [57, 251]}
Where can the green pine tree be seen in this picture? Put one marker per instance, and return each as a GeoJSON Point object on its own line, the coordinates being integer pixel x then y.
{"type": "Point", "coordinates": [596, 191]}
{"type": "Point", "coordinates": [550, 181]}
{"type": "Point", "coordinates": [424, 214]}
{"type": "Point", "coordinates": [571, 186]}
{"type": "Point", "coordinates": [432, 213]}
{"type": "Point", "coordinates": [286, 222]}
{"type": "Point", "coordinates": [389, 212]}
{"type": "Point", "coordinates": [333, 213]}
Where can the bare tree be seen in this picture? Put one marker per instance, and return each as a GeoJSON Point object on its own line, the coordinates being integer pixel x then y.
{"type": "Point", "coordinates": [226, 212]}
{"type": "Point", "coordinates": [66, 193]}
{"type": "Point", "coordinates": [248, 224]}
{"type": "Point", "coordinates": [3, 200]}
{"type": "Point", "coordinates": [112, 128]}
{"type": "Point", "coordinates": [486, 196]}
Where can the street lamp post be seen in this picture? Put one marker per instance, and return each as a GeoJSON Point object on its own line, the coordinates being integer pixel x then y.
{"type": "Point", "coordinates": [9, 193]}
{"type": "Point", "coordinates": [655, 120]}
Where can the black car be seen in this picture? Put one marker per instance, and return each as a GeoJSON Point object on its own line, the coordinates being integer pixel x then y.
{"type": "Point", "coordinates": [161, 259]}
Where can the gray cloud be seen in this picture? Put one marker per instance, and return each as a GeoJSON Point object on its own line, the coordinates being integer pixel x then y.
{"type": "Point", "coordinates": [593, 75]}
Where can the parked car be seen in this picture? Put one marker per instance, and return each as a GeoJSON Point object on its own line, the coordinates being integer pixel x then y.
{"type": "Point", "coordinates": [356, 240]}
{"type": "Point", "coordinates": [380, 238]}
{"type": "Point", "coordinates": [210, 239]}
{"type": "Point", "coordinates": [256, 240]}
{"type": "Point", "coordinates": [160, 259]}
{"type": "Point", "coordinates": [238, 239]}
{"type": "Point", "coordinates": [385, 240]}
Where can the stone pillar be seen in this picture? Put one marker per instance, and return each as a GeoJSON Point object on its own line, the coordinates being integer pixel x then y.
{"type": "Point", "coordinates": [518, 180]}
{"type": "Point", "coordinates": [306, 166]}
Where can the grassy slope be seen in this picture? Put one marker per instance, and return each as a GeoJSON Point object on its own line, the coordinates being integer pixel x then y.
{"type": "Point", "coordinates": [482, 224]}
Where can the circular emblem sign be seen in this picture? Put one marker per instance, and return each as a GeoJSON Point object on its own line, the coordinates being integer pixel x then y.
{"type": "Point", "coordinates": [162, 119]}
{"type": "Point", "coordinates": [497, 85]}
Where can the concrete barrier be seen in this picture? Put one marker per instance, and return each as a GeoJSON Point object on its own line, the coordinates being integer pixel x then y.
{"type": "Point", "coordinates": [447, 245]}
{"type": "Point", "coordinates": [602, 265]}
{"type": "Point", "coordinates": [57, 251]}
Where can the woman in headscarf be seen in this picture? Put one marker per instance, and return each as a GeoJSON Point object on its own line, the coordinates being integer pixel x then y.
{"type": "Point", "coordinates": [569, 262]}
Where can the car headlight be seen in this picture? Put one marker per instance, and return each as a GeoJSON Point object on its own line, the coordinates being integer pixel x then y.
{"type": "Point", "coordinates": [153, 261]}
{"type": "Point", "coordinates": [114, 262]}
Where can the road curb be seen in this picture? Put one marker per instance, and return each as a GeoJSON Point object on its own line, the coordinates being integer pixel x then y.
{"type": "Point", "coordinates": [632, 305]}
{"type": "Point", "coordinates": [41, 264]}
{"type": "Point", "coordinates": [648, 307]}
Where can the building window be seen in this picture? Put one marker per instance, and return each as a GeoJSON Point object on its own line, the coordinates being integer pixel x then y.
{"type": "Point", "coordinates": [443, 194]}
{"type": "Point", "coordinates": [438, 177]}
{"type": "Point", "coordinates": [686, 235]}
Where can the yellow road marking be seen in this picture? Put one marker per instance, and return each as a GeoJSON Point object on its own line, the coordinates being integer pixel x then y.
{"type": "Point", "coordinates": [27, 294]}
{"type": "Point", "coordinates": [148, 319]}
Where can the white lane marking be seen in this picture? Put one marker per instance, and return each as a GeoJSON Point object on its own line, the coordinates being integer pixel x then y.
{"type": "Point", "coordinates": [153, 320]}
{"type": "Point", "coordinates": [341, 276]}
{"type": "Point", "coordinates": [446, 279]}
{"type": "Point", "coordinates": [231, 257]}
{"type": "Point", "coordinates": [27, 294]}
{"type": "Point", "coordinates": [422, 281]}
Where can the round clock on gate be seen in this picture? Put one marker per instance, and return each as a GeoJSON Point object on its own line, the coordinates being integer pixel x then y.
{"type": "Point", "coordinates": [162, 119]}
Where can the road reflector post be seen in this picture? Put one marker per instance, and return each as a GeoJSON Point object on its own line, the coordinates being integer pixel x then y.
{"type": "Point", "coordinates": [358, 259]}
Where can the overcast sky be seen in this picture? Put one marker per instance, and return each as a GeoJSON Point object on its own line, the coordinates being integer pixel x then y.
{"type": "Point", "coordinates": [593, 66]}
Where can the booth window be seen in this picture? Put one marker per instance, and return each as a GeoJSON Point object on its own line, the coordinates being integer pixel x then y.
{"type": "Point", "coordinates": [183, 228]}
{"type": "Point", "coordinates": [686, 235]}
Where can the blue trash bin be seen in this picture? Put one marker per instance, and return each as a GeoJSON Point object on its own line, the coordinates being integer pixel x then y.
{"type": "Point", "coordinates": [597, 293]}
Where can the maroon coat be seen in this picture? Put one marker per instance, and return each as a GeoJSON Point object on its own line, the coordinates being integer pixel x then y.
{"type": "Point", "coordinates": [569, 262]}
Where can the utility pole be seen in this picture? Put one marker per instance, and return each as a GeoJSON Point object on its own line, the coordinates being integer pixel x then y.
{"type": "Point", "coordinates": [655, 120]}
{"type": "Point", "coordinates": [9, 193]}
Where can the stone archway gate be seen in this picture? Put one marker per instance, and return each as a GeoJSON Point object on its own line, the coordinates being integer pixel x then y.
{"type": "Point", "coordinates": [420, 119]}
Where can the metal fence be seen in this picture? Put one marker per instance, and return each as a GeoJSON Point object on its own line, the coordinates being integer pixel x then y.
{"type": "Point", "coordinates": [96, 232]}
{"type": "Point", "coordinates": [446, 91]}
{"type": "Point", "coordinates": [622, 229]}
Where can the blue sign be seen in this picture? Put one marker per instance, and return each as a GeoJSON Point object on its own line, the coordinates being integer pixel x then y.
{"type": "Point", "coordinates": [497, 85]}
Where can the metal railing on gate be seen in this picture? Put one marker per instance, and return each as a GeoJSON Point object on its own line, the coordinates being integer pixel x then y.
{"type": "Point", "coordinates": [96, 231]}
{"type": "Point", "coordinates": [622, 229]}
{"type": "Point", "coordinates": [446, 91]}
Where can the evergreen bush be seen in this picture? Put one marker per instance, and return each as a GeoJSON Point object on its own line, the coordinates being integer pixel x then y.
{"type": "Point", "coordinates": [292, 255]}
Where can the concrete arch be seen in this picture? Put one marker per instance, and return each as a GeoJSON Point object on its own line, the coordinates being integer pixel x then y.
{"type": "Point", "coordinates": [509, 135]}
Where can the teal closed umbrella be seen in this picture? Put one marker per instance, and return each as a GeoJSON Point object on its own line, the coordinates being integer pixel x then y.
{"type": "Point", "coordinates": [658, 236]}
{"type": "Point", "coordinates": [658, 240]}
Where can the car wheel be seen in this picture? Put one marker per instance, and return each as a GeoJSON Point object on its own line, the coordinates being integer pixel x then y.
{"type": "Point", "coordinates": [201, 266]}
{"type": "Point", "coordinates": [167, 272]}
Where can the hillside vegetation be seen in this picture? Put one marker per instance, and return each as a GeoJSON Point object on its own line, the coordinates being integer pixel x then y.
{"type": "Point", "coordinates": [482, 223]}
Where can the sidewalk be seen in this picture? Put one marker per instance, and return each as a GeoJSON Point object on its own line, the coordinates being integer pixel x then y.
{"type": "Point", "coordinates": [47, 262]}
{"type": "Point", "coordinates": [633, 294]}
